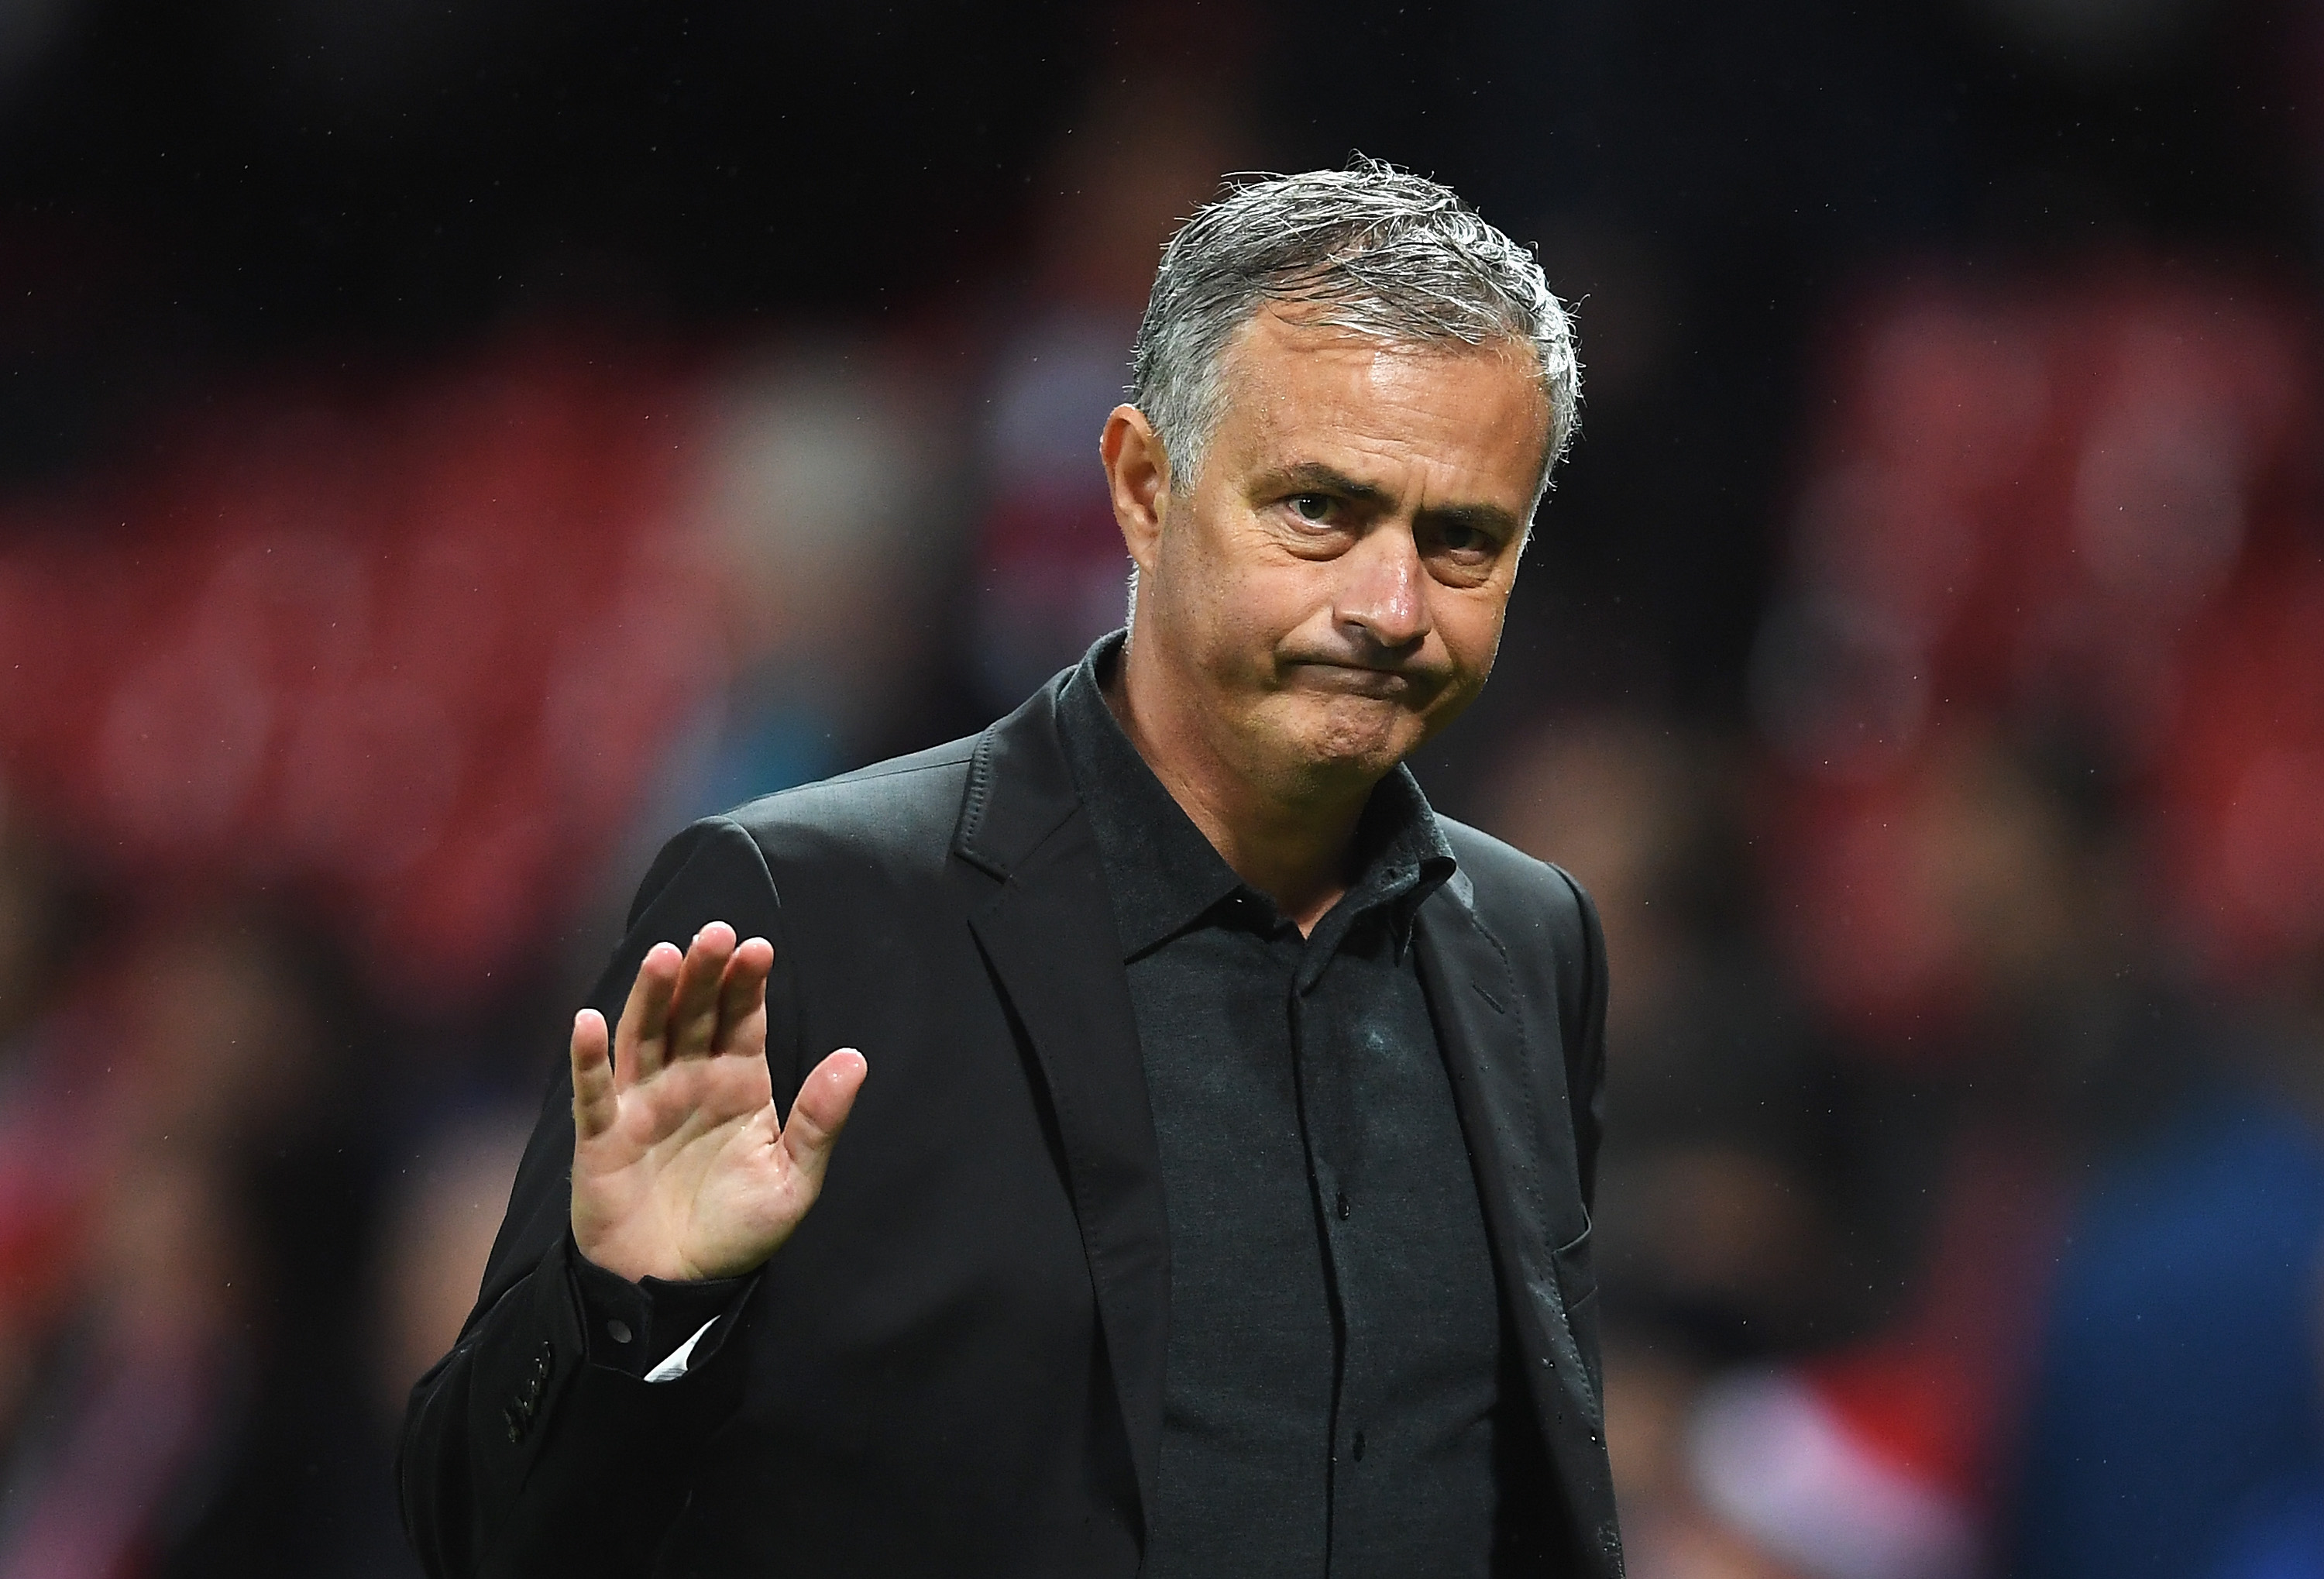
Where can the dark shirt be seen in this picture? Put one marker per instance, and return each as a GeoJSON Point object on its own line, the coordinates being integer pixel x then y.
{"type": "Point", "coordinates": [1335, 1346]}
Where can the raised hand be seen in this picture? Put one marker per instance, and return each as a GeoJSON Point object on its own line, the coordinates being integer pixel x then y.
{"type": "Point", "coordinates": [680, 1169]}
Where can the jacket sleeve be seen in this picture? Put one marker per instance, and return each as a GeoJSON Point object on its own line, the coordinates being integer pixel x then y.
{"type": "Point", "coordinates": [533, 1447]}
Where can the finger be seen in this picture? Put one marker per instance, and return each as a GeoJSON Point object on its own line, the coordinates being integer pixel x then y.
{"type": "Point", "coordinates": [694, 1012]}
{"type": "Point", "coordinates": [594, 1105]}
{"type": "Point", "coordinates": [821, 1113]}
{"type": "Point", "coordinates": [742, 999]}
{"type": "Point", "coordinates": [640, 1042]}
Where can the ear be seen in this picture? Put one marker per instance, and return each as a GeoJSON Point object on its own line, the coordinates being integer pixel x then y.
{"type": "Point", "coordinates": [1138, 475]}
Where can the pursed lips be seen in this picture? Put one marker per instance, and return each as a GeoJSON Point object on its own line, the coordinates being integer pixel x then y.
{"type": "Point", "coordinates": [1363, 680]}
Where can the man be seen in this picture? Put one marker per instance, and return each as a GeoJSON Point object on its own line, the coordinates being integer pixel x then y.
{"type": "Point", "coordinates": [1216, 1200]}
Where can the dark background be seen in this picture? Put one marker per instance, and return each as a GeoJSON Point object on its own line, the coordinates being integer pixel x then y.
{"type": "Point", "coordinates": [413, 417]}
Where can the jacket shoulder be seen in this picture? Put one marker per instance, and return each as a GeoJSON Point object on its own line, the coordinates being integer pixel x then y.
{"type": "Point", "coordinates": [1515, 895]}
{"type": "Point", "coordinates": [901, 812]}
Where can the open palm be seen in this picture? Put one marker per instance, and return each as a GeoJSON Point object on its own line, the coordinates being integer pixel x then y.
{"type": "Point", "coordinates": [681, 1168]}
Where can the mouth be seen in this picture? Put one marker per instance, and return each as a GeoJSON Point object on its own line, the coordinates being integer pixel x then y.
{"type": "Point", "coordinates": [1356, 680]}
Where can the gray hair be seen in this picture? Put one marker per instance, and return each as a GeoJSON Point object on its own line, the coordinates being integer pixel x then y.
{"type": "Point", "coordinates": [1371, 249]}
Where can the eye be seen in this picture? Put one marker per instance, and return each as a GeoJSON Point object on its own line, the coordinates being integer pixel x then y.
{"type": "Point", "coordinates": [1467, 539]}
{"type": "Point", "coordinates": [1315, 507]}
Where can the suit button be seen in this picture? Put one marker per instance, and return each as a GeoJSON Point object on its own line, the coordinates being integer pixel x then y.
{"type": "Point", "coordinates": [1360, 1447]}
{"type": "Point", "coordinates": [619, 1331]}
{"type": "Point", "coordinates": [1345, 1209]}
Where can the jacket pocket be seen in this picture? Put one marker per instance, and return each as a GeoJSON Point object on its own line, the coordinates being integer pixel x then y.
{"type": "Point", "coordinates": [1577, 1284]}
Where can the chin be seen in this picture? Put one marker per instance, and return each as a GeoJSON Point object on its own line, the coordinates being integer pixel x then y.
{"type": "Point", "coordinates": [1352, 738]}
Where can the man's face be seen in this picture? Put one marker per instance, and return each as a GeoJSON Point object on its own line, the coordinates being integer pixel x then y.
{"type": "Point", "coordinates": [1331, 592]}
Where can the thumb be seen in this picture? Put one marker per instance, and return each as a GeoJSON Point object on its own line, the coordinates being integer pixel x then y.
{"type": "Point", "coordinates": [821, 1111]}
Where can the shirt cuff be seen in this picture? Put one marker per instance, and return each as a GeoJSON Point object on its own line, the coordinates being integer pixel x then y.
{"type": "Point", "coordinates": [653, 1330]}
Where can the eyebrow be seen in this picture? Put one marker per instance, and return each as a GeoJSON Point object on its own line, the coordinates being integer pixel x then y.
{"type": "Point", "coordinates": [1310, 477]}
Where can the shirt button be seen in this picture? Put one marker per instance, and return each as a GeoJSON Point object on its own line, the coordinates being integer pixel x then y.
{"type": "Point", "coordinates": [619, 1331]}
{"type": "Point", "coordinates": [1360, 1447]}
{"type": "Point", "coordinates": [1345, 1209]}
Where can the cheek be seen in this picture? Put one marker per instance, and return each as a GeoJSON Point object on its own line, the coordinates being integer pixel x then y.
{"type": "Point", "coordinates": [1248, 609]}
{"type": "Point", "coordinates": [1469, 625]}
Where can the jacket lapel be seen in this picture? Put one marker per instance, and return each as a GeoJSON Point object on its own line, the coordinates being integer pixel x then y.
{"type": "Point", "coordinates": [1048, 934]}
{"type": "Point", "coordinates": [1523, 1147]}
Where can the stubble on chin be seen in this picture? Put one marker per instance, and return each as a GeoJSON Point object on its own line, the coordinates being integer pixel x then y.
{"type": "Point", "coordinates": [1344, 741]}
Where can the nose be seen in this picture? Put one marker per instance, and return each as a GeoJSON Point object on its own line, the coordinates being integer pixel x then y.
{"type": "Point", "coordinates": [1384, 589]}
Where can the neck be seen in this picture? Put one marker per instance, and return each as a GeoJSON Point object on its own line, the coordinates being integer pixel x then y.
{"type": "Point", "coordinates": [1293, 846]}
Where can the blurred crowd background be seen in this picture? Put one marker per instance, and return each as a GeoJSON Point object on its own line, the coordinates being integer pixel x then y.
{"type": "Point", "coordinates": [443, 449]}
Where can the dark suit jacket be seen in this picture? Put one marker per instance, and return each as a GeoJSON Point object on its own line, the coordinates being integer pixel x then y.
{"type": "Point", "coordinates": [954, 1366]}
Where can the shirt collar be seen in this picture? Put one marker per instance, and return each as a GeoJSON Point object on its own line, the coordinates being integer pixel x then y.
{"type": "Point", "coordinates": [1401, 859]}
{"type": "Point", "coordinates": [1165, 875]}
